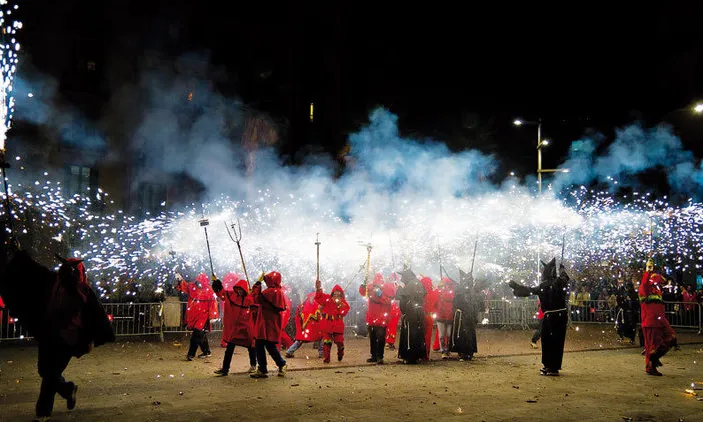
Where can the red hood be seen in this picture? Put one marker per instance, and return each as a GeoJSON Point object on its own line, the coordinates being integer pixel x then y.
{"type": "Point", "coordinates": [310, 298]}
{"type": "Point", "coordinates": [203, 279]}
{"type": "Point", "coordinates": [338, 288]}
{"type": "Point", "coordinates": [378, 279]}
{"type": "Point", "coordinates": [232, 280]}
{"type": "Point", "coordinates": [427, 283]}
{"type": "Point", "coordinates": [273, 279]}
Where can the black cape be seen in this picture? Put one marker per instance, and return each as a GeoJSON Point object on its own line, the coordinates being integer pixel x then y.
{"type": "Point", "coordinates": [552, 296]}
{"type": "Point", "coordinates": [411, 298]}
{"type": "Point", "coordinates": [26, 288]}
{"type": "Point", "coordinates": [627, 311]}
{"type": "Point", "coordinates": [466, 309]}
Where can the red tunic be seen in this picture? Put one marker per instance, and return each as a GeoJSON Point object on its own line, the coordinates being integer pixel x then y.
{"type": "Point", "coordinates": [202, 305]}
{"type": "Point", "coordinates": [445, 304]}
{"type": "Point", "coordinates": [269, 320]}
{"type": "Point", "coordinates": [237, 320]}
{"type": "Point", "coordinates": [332, 311]}
{"type": "Point", "coordinates": [392, 329]}
{"type": "Point", "coordinates": [651, 305]}
{"type": "Point", "coordinates": [380, 296]}
{"type": "Point", "coordinates": [307, 317]}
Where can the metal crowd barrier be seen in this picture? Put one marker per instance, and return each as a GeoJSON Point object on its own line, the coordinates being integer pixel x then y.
{"type": "Point", "coordinates": [157, 318]}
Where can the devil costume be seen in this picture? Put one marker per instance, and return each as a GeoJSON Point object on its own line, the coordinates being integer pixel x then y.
{"type": "Point", "coordinates": [411, 297]}
{"type": "Point", "coordinates": [466, 309]}
{"type": "Point", "coordinates": [64, 315]}
{"type": "Point", "coordinates": [552, 297]}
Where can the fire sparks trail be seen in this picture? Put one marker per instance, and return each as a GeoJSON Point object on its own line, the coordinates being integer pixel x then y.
{"type": "Point", "coordinates": [9, 47]}
{"type": "Point", "coordinates": [124, 252]}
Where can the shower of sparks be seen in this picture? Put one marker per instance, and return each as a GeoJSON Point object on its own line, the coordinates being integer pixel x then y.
{"type": "Point", "coordinates": [9, 48]}
{"type": "Point", "coordinates": [132, 255]}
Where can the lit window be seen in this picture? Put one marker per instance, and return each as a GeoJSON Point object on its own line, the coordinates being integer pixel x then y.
{"type": "Point", "coordinates": [312, 112]}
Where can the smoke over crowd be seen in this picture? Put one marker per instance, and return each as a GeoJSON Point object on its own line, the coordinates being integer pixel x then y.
{"type": "Point", "coordinates": [416, 202]}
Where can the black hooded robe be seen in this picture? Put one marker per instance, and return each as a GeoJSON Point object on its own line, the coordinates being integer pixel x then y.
{"type": "Point", "coordinates": [466, 309]}
{"type": "Point", "coordinates": [411, 297]}
{"type": "Point", "coordinates": [552, 297]}
{"type": "Point", "coordinates": [626, 317]}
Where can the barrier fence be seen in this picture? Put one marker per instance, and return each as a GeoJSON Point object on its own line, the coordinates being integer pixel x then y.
{"type": "Point", "coordinates": [158, 318]}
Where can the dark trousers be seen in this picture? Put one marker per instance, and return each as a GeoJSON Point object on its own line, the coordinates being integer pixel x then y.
{"type": "Point", "coordinates": [198, 339]}
{"type": "Point", "coordinates": [263, 346]}
{"type": "Point", "coordinates": [53, 360]}
{"type": "Point", "coordinates": [538, 332]}
{"type": "Point", "coordinates": [229, 351]}
{"type": "Point", "coordinates": [377, 338]}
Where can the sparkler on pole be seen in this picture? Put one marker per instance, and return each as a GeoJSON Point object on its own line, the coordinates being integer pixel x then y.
{"type": "Point", "coordinates": [204, 223]}
{"type": "Point", "coordinates": [317, 243]}
{"type": "Point", "coordinates": [368, 267]}
{"type": "Point", "coordinates": [473, 259]}
{"type": "Point", "coordinates": [236, 239]}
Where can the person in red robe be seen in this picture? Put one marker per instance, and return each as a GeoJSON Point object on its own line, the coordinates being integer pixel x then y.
{"type": "Point", "coordinates": [445, 313]}
{"type": "Point", "coordinates": [379, 296]}
{"type": "Point", "coordinates": [392, 329]}
{"type": "Point", "coordinates": [655, 327]}
{"type": "Point", "coordinates": [237, 324]}
{"type": "Point", "coordinates": [286, 342]}
{"type": "Point", "coordinates": [269, 323]}
{"type": "Point", "coordinates": [201, 308]}
{"type": "Point", "coordinates": [307, 326]}
{"type": "Point", "coordinates": [334, 308]}
{"type": "Point", "coordinates": [430, 309]}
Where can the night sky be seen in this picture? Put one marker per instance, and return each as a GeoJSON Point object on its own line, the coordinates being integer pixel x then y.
{"type": "Point", "coordinates": [577, 66]}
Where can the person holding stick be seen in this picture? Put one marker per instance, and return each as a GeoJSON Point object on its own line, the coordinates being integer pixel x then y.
{"type": "Point", "coordinates": [379, 296]}
{"type": "Point", "coordinates": [202, 307]}
{"type": "Point", "coordinates": [552, 299]}
{"type": "Point", "coordinates": [238, 325]}
{"type": "Point", "coordinates": [269, 323]}
{"type": "Point", "coordinates": [334, 308]}
{"type": "Point", "coordinates": [658, 334]}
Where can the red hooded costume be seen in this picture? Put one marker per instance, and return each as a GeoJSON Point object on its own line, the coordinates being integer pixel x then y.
{"type": "Point", "coordinates": [380, 296]}
{"type": "Point", "coordinates": [285, 338]}
{"type": "Point", "coordinates": [445, 305]}
{"type": "Point", "coordinates": [202, 305]}
{"type": "Point", "coordinates": [658, 334]}
{"type": "Point", "coordinates": [332, 321]}
{"type": "Point", "coordinates": [307, 326]}
{"type": "Point", "coordinates": [333, 311]}
{"type": "Point", "coordinates": [272, 304]}
{"type": "Point", "coordinates": [392, 329]}
{"type": "Point", "coordinates": [237, 319]}
{"type": "Point", "coordinates": [430, 308]}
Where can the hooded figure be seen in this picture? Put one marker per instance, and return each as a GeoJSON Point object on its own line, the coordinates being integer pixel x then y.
{"type": "Point", "coordinates": [269, 323]}
{"type": "Point", "coordinates": [238, 325]}
{"type": "Point", "coordinates": [627, 312]}
{"type": "Point", "coordinates": [658, 334]}
{"type": "Point", "coordinates": [286, 342]}
{"type": "Point", "coordinates": [334, 308]}
{"type": "Point", "coordinates": [380, 295]}
{"type": "Point", "coordinates": [445, 314]}
{"type": "Point", "coordinates": [307, 324]}
{"type": "Point", "coordinates": [467, 304]}
{"type": "Point", "coordinates": [552, 298]}
{"type": "Point", "coordinates": [201, 308]}
{"type": "Point", "coordinates": [63, 313]}
{"type": "Point", "coordinates": [412, 345]}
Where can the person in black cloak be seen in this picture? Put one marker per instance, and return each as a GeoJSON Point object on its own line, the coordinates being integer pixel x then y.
{"type": "Point", "coordinates": [552, 297]}
{"type": "Point", "coordinates": [411, 297]}
{"type": "Point", "coordinates": [627, 312]}
{"type": "Point", "coordinates": [64, 315]}
{"type": "Point", "coordinates": [466, 309]}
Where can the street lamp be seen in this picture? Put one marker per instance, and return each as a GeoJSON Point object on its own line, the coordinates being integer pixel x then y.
{"type": "Point", "coordinates": [540, 143]}
{"type": "Point", "coordinates": [698, 108]}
